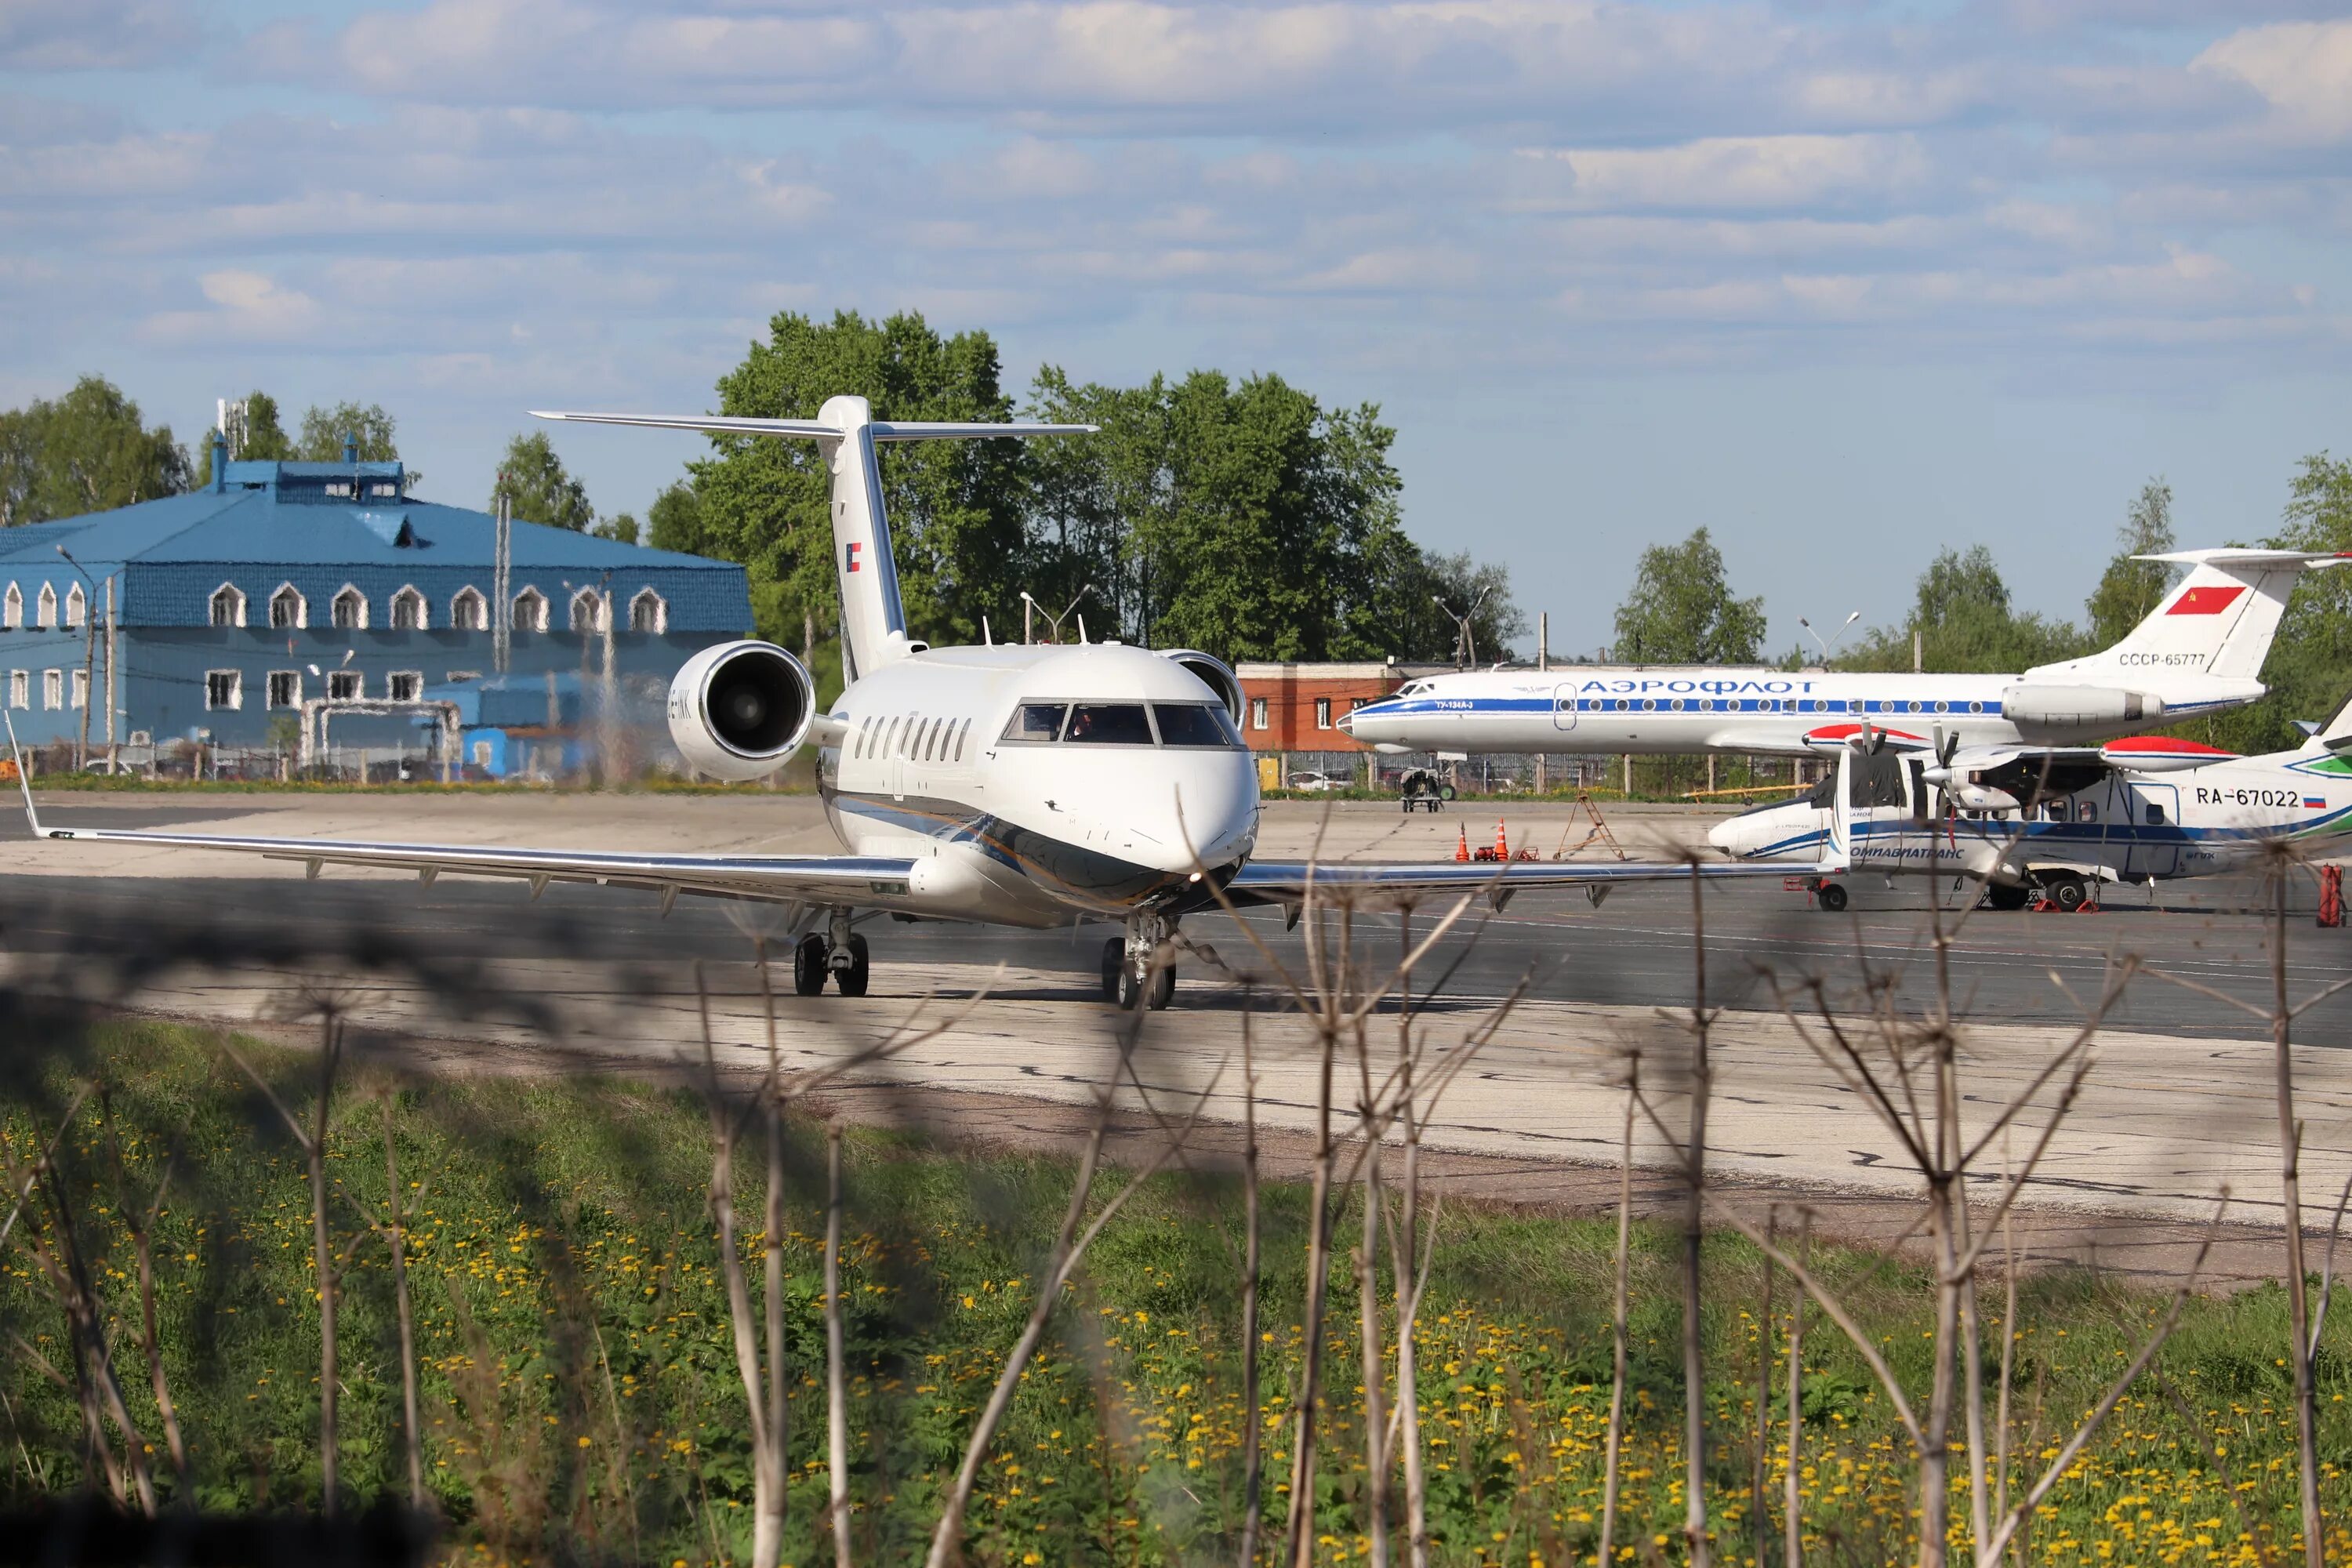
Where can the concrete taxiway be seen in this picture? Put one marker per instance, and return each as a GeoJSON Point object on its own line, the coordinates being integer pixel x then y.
{"type": "Point", "coordinates": [483, 977]}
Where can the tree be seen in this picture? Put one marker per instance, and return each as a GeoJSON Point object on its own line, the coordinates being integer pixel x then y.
{"type": "Point", "coordinates": [532, 477]}
{"type": "Point", "coordinates": [1681, 610]}
{"type": "Point", "coordinates": [87, 451]}
{"type": "Point", "coordinates": [1240, 517]}
{"type": "Point", "coordinates": [2309, 663]}
{"type": "Point", "coordinates": [1419, 627]}
{"type": "Point", "coordinates": [621, 526]}
{"type": "Point", "coordinates": [324, 430]}
{"type": "Point", "coordinates": [955, 507]}
{"type": "Point", "coordinates": [1963, 622]}
{"type": "Point", "coordinates": [2130, 589]}
{"type": "Point", "coordinates": [264, 438]}
{"type": "Point", "coordinates": [675, 521]}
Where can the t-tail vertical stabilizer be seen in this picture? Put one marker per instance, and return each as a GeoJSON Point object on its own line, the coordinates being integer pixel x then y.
{"type": "Point", "coordinates": [2216, 625]}
{"type": "Point", "coordinates": [873, 619]}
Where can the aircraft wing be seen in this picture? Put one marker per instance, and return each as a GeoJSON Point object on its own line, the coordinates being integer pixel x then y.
{"type": "Point", "coordinates": [2138, 754]}
{"type": "Point", "coordinates": [1285, 882]}
{"type": "Point", "coordinates": [870, 882]}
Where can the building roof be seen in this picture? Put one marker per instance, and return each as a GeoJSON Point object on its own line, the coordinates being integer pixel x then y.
{"type": "Point", "coordinates": [320, 525]}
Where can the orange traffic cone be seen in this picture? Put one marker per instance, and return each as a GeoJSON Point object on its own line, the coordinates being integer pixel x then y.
{"type": "Point", "coordinates": [1501, 846]}
{"type": "Point", "coordinates": [1462, 849]}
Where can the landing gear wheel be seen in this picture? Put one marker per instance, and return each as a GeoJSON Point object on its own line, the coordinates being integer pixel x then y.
{"type": "Point", "coordinates": [2003, 896]}
{"type": "Point", "coordinates": [809, 964]}
{"type": "Point", "coordinates": [1831, 897]}
{"type": "Point", "coordinates": [1114, 966]}
{"type": "Point", "coordinates": [852, 979]}
{"type": "Point", "coordinates": [1164, 986]}
{"type": "Point", "coordinates": [1131, 987]}
{"type": "Point", "coordinates": [2067, 894]}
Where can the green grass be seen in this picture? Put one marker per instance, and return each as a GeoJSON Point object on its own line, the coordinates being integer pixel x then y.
{"type": "Point", "coordinates": [580, 1401]}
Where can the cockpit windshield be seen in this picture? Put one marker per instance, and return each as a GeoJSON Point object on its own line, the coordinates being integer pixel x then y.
{"type": "Point", "coordinates": [1108, 725]}
{"type": "Point", "coordinates": [1190, 724]}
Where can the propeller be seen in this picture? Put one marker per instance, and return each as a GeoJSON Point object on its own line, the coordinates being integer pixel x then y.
{"type": "Point", "coordinates": [1947, 804]}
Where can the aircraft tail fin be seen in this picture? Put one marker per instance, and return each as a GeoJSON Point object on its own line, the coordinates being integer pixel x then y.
{"type": "Point", "coordinates": [873, 619]}
{"type": "Point", "coordinates": [2335, 735]}
{"type": "Point", "coordinates": [2218, 622]}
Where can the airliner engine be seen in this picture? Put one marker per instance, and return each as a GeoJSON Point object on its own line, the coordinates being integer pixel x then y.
{"type": "Point", "coordinates": [1213, 673]}
{"type": "Point", "coordinates": [739, 710]}
{"type": "Point", "coordinates": [2034, 705]}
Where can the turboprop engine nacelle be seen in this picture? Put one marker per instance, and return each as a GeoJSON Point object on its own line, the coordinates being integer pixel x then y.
{"type": "Point", "coordinates": [2077, 707]}
{"type": "Point", "coordinates": [738, 711]}
{"type": "Point", "coordinates": [1213, 673]}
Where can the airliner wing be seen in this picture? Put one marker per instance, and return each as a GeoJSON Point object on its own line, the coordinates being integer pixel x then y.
{"type": "Point", "coordinates": [1285, 882]}
{"type": "Point", "coordinates": [871, 882]}
{"type": "Point", "coordinates": [2140, 753]}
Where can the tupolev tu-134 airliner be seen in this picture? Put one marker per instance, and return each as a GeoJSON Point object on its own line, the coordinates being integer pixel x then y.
{"type": "Point", "coordinates": [1010, 785]}
{"type": "Point", "coordinates": [2199, 651]}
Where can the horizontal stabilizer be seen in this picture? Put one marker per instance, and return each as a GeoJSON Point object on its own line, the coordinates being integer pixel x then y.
{"type": "Point", "coordinates": [818, 429]}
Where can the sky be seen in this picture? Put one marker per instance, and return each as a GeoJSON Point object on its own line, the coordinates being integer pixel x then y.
{"type": "Point", "coordinates": [1844, 282]}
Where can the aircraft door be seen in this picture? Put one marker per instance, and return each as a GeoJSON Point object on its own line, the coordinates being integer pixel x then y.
{"type": "Point", "coordinates": [1563, 707]}
{"type": "Point", "coordinates": [2155, 829]}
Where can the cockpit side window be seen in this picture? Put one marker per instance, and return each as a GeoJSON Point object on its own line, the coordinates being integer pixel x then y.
{"type": "Point", "coordinates": [1108, 725]}
{"type": "Point", "coordinates": [1195, 724]}
{"type": "Point", "coordinates": [1036, 722]}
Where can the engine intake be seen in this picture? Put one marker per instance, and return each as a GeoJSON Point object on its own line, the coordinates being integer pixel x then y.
{"type": "Point", "coordinates": [738, 711]}
{"type": "Point", "coordinates": [1213, 673]}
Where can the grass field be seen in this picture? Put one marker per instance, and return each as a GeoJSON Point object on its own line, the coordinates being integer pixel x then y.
{"type": "Point", "coordinates": [581, 1400]}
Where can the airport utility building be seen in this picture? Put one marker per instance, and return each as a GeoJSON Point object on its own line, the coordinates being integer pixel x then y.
{"type": "Point", "coordinates": [282, 584]}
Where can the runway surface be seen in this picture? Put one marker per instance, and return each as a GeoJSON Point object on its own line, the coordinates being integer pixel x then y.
{"type": "Point", "coordinates": [479, 973]}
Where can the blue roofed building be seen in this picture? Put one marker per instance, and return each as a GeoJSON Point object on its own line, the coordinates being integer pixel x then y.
{"type": "Point", "coordinates": [282, 584]}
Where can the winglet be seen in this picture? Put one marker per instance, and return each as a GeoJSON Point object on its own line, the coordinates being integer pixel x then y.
{"type": "Point", "coordinates": [1837, 856]}
{"type": "Point", "coordinates": [24, 777]}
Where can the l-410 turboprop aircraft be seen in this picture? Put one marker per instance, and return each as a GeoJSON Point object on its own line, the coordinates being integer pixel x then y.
{"type": "Point", "coordinates": [2198, 651]}
{"type": "Point", "coordinates": [1009, 784]}
{"type": "Point", "coordinates": [2058, 819]}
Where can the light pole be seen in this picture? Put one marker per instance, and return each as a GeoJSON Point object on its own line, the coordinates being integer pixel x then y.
{"type": "Point", "coordinates": [1465, 642]}
{"type": "Point", "coordinates": [1030, 606]}
{"type": "Point", "coordinates": [89, 662]}
{"type": "Point", "coordinates": [1827, 648]}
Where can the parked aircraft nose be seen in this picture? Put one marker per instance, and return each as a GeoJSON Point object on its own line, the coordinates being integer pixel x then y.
{"type": "Point", "coordinates": [1209, 809]}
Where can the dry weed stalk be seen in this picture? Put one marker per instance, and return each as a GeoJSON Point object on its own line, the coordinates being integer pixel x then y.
{"type": "Point", "coordinates": [141, 1223]}
{"type": "Point", "coordinates": [1908, 1073]}
{"type": "Point", "coordinates": [1792, 1514]}
{"type": "Point", "coordinates": [312, 1141]}
{"type": "Point", "coordinates": [765, 1397]}
{"type": "Point", "coordinates": [2281, 860]}
{"type": "Point", "coordinates": [836, 1384]}
{"type": "Point", "coordinates": [1618, 1313]}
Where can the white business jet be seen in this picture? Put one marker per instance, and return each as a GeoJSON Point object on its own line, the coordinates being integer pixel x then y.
{"type": "Point", "coordinates": [2199, 650]}
{"type": "Point", "coordinates": [1009, 784]}
{"type": "Point", "coordinates": [2059, 821]}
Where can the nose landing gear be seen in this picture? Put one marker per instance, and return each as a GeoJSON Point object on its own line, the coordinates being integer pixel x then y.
{"type": "Point", "coordinates": [841, 953]}
{"type": "Point", "coordinates": [1130, 972]}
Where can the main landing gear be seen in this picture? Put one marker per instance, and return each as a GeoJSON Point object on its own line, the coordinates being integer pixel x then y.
{"type": "Point", "coordinates": [1130, 973]}
{"type": "Point", "coordinates": [840, 953]}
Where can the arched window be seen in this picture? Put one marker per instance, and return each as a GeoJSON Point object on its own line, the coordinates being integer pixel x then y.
{"type": "Point", "coordinates": [530, 611]}
{"type": "Point", "coordinates": [587, 611]}
{"type": "Point", "coordinates": [467, 613]}
{"type": "Point", "coordinates": [349, 609]}
{"type": "Point", "coordinates": [288, 609]}
{"type": "Point", "coordinates": [76, 606]}
{"type": "Point", "coordinates": [11, 608]}
{"type": "Point", "coordinates": [44, 608]}
{"type": "Point", "coordinates": [408, 611]}
{"type": "Point", "coordinates": [228, 606]}
{"type": "Point", "coordinates": [647, 613]}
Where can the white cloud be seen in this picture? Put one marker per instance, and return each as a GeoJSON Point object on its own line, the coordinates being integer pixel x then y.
{"type": "Point", "coordinates": [247, 307]}
{"type": "Point", "coordinates": [94, 35]}
{"type": "Point", "coordinates": [2302, 69]}
{"type": "Point", "coordinates": [1744, 172]}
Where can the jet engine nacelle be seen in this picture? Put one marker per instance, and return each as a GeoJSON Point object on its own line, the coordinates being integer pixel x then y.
{"type": "Point", "coordinates": [738, 711]}
{"type": "Point", "coordinates": [2077, 707]}
{"type": "Point", "coordinates": [1213, 673]}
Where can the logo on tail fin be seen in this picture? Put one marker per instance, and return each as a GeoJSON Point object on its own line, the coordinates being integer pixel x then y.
{"type": "Point", "coordinates": [2206, 601]}
{"type": "Point", "coordinates": [854, 550]}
